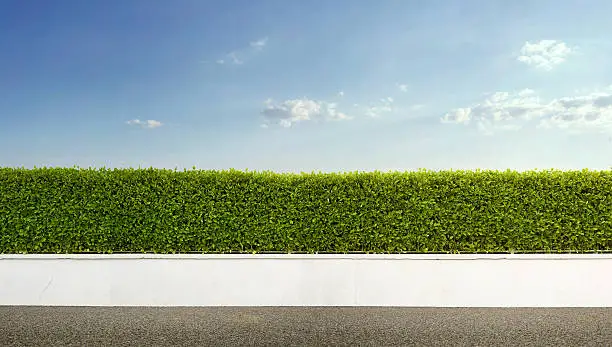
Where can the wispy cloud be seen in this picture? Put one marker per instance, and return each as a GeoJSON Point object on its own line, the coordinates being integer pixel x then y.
{"type": "Point", "coordinates": [511, 111]}
{"type": "Point", "coordinates": [259, 44]}
{"type": "Point", "coordinates": [149, 123]}
{"type": "Point", "coordinates": [240, 56]}
{"type": "Point", "coordinates": [289, 112]}
{"type": "Point", "coordinates": [294, 111]}
{"type": "Point", "coordinates": [544, 54]}
{"type": "Point", "coordinates": [234, 58]}
{"type": "Point", "coordinates": [402, 87]}
{"type": "Point", "coordinates": [384, 105]}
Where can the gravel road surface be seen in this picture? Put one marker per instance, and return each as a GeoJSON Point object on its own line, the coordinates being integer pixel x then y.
{"type": "Point", "coordinates": [304, 326]}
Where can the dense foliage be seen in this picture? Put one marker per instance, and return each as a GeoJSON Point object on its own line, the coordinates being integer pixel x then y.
{"type": "Point", "coordinates": [71, 210]}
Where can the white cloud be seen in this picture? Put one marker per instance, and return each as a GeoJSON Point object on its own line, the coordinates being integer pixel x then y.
{"type": "Point", "coordinates": [510, 111]}
{"type": "Point", "coordinates": [581, 113]}
{"type": "Point", "coordinates": [259, 44]}
{"type": "Point", "coordinates": [497, 107]}
{"type": "Point", "coordinates": [293, 111]}
{"type": "Point", "coordinates": [340, 93]}
{"type": "Point", "coordinates": [149, 123]}
{"type": "Point", "coordinates": [234, 58]}
{"type": "Point", "coordinates": [402, 87]}
{"type": "Point", "coordinates": [384, 106]}
{"type": "Point", "coordinates": [240, 56]}
{"type": "Point", "coordinates": [544, 54]}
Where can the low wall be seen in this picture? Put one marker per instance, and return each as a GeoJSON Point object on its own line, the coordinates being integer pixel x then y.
{"type": "Point", "coordinates": [543, 280]}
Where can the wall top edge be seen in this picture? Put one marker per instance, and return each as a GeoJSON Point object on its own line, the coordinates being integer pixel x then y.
{"type": "Point", "coordinates": [135, 256]}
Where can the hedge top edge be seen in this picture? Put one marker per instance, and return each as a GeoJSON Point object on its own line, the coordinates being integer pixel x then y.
{"type": "Point", "coordinates": [313, 172]}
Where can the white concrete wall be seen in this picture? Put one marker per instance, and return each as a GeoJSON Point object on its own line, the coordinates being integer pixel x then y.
{"type": "Point", "coordinates": [308, 280]}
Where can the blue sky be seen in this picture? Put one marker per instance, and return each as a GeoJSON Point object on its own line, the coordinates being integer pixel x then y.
{"type": "Point", "coordinates": [296, 86]}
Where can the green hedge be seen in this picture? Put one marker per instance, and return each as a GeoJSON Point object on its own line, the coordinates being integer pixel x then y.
{"type": "Point", "coordinates": [72, 210]}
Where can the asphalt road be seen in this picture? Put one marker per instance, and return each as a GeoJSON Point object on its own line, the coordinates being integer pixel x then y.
{"type": "Point", "coordinates": [308, 326]}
